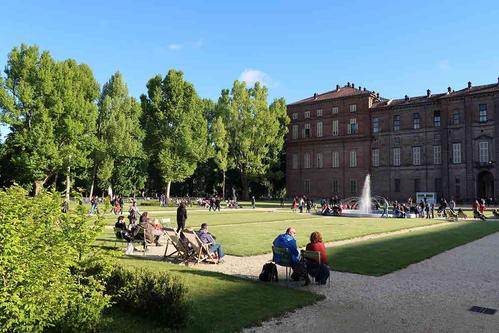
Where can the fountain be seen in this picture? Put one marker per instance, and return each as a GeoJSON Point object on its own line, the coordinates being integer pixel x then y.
{"type": "Point", "coordinates": [364, 204]}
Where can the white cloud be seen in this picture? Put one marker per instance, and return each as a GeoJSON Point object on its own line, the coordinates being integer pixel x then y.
{"type": "Point", "coordinates": [174, 47]}
{"type": "Point", "coordinates": [179, 46]}
{"type": "Point", "coordinates": [251, 76]}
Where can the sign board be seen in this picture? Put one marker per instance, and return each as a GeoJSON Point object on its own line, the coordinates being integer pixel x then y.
{"type": "Point", "coordinates": [431, 197]}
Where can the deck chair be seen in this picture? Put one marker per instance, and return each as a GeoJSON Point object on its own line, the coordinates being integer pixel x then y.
{"type": "Point", "coordinates": [461, 214]}
{"type": "Point", "coordinates": [173, 238]}
{"type": "Point", "coordinates": [315, 256]}
{"type": "Point", "coordinates": [117, 236]}
{"type": "Point", "coordinates": [451, 215]}
{"type": "Point", "coordinates": [282, 257]}
{"type": "Point", "coordinates": [201, 252]}
{"type": "Point", "coordinates": [140, 238]}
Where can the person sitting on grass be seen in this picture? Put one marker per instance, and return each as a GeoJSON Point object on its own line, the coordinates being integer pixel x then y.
{"type": "Point", "coordinates": [208, 238]}
{"type": "Point", "coordinates": [287, 240]}
{"type": "Point", "coordinates": [318, 270]}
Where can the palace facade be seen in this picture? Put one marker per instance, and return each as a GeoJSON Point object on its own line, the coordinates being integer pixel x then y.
{"type": "Point", "coordinates": [443, 143]}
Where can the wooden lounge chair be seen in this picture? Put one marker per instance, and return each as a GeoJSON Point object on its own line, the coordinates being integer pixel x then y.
{"type": "Point", "coordinates": [314, 256]}
{"type": "Point", "coordinates": [172, 237]}
{"type": "Point", "coordinates": [201, 252]}
{"type": "Point", "coordinates": [282, 257]}
{"type": "Point", "coordinates": [451, 215]}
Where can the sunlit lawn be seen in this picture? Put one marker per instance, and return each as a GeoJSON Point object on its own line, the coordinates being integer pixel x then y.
{"type": "Point", "coordinates": [221, 303]}
{"type": "Point", "coordinates": [384, 255]}
{"type": "Point", "coordinates": [248, 232]}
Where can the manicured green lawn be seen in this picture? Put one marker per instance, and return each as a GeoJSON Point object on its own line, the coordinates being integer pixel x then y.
{"type": "Point", "coordinates": [221, 303]}
{"type": "Point", "coordinates": [245, 233]}
{"type": "Point", "coordinates": [385, 255]}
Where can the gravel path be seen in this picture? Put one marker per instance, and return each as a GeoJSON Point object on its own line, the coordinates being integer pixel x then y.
{"type": "Point", "coordinates": [431, 296]}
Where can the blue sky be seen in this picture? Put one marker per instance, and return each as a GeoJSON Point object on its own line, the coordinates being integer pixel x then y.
{"type": "Point", "coordinates": [295, 47]}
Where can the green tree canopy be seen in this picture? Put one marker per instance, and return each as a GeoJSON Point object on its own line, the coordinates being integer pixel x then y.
{"type": "Point", "coordinates": [50, 109]}
{"type": "Point", "coordinates": [255, 130]}
{"type": "Point", "coordinates": [176, 131]}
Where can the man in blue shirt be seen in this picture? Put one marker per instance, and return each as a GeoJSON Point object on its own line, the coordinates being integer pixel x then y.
{"type": "Point", "coordinates": [288, 241]}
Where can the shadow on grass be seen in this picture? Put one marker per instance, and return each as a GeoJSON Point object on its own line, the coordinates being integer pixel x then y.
{"type": "Point", "coordinates": [384, 255]}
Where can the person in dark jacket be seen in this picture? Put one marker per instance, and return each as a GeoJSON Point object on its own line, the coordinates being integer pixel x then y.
{"type": "Point", "coordinates": [181, 216]}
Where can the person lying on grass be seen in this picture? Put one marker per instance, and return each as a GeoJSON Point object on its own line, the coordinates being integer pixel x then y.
{"type": "Point", "coordinates": [208, 238]}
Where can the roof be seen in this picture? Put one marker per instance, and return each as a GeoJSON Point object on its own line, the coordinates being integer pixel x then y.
{"type": "Point", "coordinates": [345, 91]}
{"type": "Point", "coordinates": [487, 88]}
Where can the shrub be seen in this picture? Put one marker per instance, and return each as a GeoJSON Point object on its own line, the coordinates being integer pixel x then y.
{"type": "Point", "coordinates": [50, 275]}
{"type": "Point", "coordinates": [152, 294]}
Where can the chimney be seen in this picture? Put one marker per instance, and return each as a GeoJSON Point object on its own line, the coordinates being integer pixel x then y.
{"type": "Point", "coordinates": [498, 81]}
{"type": "Point", "coordinates": [365, 87]}
{"type": "Point", "coordinates": [337, 87]}
{"type": "Point", "coordinates": [377, 95]}
{"type": "Point", "coordinates": [428, 93]}
{"type": "Point", "coordinates": [315, 95]}
{"type": "Point", "coordinates": [353, 85]}
{"type": "Point", "coordinates": [360, 88]}
{"type": "Point", "coordinates": [469, 84]}
{"type": "Point", "coordinates": [406, 98]}
{"type": "Point", "coordinates": [449, 90]}
{"type": "Point", "coordinates": [348, 84]}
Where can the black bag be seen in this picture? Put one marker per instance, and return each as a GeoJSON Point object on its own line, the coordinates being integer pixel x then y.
{"type": "Point", "coordinates": [300, 272]}
{"type": "Point", "coordinates": [269, 273]}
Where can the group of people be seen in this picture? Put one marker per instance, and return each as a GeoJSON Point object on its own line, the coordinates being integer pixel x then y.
{"type": "Point", "coordinates": [303, 267]}
{"type": "Point", "coordinates": [302, 203]}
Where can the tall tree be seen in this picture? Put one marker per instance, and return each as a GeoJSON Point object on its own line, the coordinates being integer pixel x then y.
{"type": "Point", "coordinates": [256, 131]}
{"type": "Point", "coordinates": [119, 134]}
{"type": "Point", "coordinates": [221, 146]}
{"type": "Point", "coordinates": [50, 109]}
{"type": "Point", "coordinates": [176, 131]}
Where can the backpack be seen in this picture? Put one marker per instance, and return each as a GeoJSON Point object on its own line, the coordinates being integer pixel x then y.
{"type": "Point", "coordinates": [269, 273]}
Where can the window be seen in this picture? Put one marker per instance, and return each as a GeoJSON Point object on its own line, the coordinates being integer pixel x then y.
{"type": "Point", "coordinates": [417, 184]}
{"type": "Point", "coordinates": [483, 112]}
{"type": "Point", "coordinates": [353, 186]}
{"type": "Point", "coordinates": [353, 107]}
{"type": "Point", "coordinates": [353, 159]}
{"type": "Point", "coordinates": [396, 141]}
{"type": "Point", "coordinates": [306, 160]}
{"type": "Point", "coordinates": [335, 128]}
{"type": "Point", "coordinates": [336, 186]}
{"type": "Point", "coordinates": [416, 121]}
{"type": "Point", "coordinates": [295, 116]}
{"type": "Point", "coordinates": [396, 156]}
{"type": "Point", "coordinates": [306, 131]}
{"type": "Point", "coordinates": [416, 155]}
{"type": "Point", "coordinates": [334, 110]}
{"type": "Point", "coordinates": [456, 153]}
{"type": "Point", "coordinates": [396, 122]}
{"type": "Point", "coordinates": [352, 126]}
{"type": "Point", "coordinates": [375, 157]}
{"type": "Point", "coordinates": [456, 118]}
{"type": "Point", "coordinates": [376, 125]}
{"type": "Point", "coordinates": [484, 151]}
{"type": "Point", "coordinates": [320, 162]}
{"type": "Point", "coordinates": [307, 114]}
{"type": "Point", "coordinates": [306, 186]}
{"type": "Point", "coordinates": [335, 159]}
{"type": "Point", "coordinates": [294, 132]}
{"type": "Point", "coordinates": [319, 113]}
{"type": "Point", "coordinates": [396, 184]}
{"type": "Point", "coordinates": [437, 154]}
{"type": "Point", "coordinates": [436, 118]}
{"type": "Point", "coordinates": [295, 161]}
{"type": "Point", "coordinates": [319, 129]}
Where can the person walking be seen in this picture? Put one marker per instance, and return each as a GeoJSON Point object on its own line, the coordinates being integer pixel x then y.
{"type": "Point", "coordinates": [385, 208]}
{"type": "Point", "coordinates": [253, 202]}
{"type": "Point", "coordinates": [181, 216]}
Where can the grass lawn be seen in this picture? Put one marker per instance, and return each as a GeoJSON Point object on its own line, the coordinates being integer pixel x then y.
{"type": "Point", "coordinates": [221, 303]}
{"type": "Point", "coordinates": [246, 233]}
{"type": "Point", "coordinates": [385, 255]}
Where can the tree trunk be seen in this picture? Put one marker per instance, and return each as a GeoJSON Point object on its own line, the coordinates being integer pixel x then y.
{"type": "Point", "coordinates": [223, 185]}
{"type": "Point", "coordinates": [39, 186]}
{"type": "Point", "coordinates": [244, 183]}
{"type": "Point", "coordinates": [68, 183]}
{"type": "Point", "coordinates": [168, 186]}
{"type": "Point", "coordinates": [94, 173]}
{"type": "Point", "coordinates": [55, 180]}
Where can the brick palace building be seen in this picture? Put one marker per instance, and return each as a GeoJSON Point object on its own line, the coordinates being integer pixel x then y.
{"type": "Point", "coordinates": [443, 143]}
